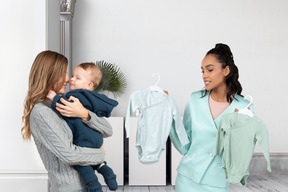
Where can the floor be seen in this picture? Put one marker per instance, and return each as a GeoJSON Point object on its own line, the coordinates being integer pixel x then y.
{"type": "Point", "coordinates": [267, 183]}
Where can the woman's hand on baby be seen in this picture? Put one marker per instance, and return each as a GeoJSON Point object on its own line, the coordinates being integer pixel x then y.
{"type": "Point", "coordinates": [73, 109]}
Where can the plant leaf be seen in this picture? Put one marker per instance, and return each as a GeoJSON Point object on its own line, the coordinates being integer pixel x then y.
{"type": "Point", "coordinates": [113, 80]}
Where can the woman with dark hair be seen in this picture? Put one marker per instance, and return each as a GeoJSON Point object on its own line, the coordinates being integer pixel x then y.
{"type": "Point", "coordinates": [199, 169]}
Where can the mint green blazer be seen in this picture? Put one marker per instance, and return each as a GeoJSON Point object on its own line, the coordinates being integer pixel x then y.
{"type": "Point", "coordinates": [198, 162]}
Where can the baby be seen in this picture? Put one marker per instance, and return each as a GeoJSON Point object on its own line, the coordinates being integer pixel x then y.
{"type": "Point", "coordinates": [85, 78]}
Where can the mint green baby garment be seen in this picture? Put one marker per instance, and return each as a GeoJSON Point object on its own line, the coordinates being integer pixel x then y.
{"type": "Point", "coordinates": [236, 137]}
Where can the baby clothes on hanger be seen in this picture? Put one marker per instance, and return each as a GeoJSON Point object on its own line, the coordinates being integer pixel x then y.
{"type": "Point", "coordinates": [236, 137]}
{"type": "Point", "coordinates": [158, 113]}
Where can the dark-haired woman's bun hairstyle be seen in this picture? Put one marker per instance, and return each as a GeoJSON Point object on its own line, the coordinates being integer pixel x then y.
{"type": "Point", "coordinates": [225, 57]}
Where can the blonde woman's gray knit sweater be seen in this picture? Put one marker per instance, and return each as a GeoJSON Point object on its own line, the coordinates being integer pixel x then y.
{"type": "Point", "coordinates": [53, 139]}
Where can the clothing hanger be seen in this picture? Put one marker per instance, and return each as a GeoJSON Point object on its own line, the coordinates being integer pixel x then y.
{"type": "Point", "coordinates": [246, 110]}
{"type": "Point", "coordinates": [155, 87]}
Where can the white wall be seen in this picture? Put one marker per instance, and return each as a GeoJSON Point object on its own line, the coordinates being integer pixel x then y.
{"type": "Point", "coordinates": [24, 33]}
{"type": "Point", "coordinates": [171, 38]}
{"type": "Point", "coordinates": [27, 28]}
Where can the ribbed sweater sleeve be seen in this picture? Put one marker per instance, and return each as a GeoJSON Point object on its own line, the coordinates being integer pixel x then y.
{"type": "Point", "coordinates": [99, 124]}
{"type": "Point", "coordinates": [49, 129]}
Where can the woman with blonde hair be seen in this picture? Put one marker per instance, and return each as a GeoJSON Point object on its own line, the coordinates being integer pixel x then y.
{"type": "Point", "coordinates": [50, 132]}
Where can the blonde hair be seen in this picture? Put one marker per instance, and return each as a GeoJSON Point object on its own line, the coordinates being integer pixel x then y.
{"type": "Point", "coordinates": [48, 68]}
{"type": "Point", "coordinates": [95, 72]}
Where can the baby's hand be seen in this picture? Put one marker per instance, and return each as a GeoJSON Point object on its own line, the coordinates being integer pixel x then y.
{"type": "Point", "coordinates": [50, 96]}
{"type": "Point", "coordinates": [102, 147]}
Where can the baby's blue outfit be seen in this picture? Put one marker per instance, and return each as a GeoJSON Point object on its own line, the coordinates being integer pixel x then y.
{"type": "Point", "coordinates": [158, 113]}
{"type": "Point", "coordinates": [83, 135]}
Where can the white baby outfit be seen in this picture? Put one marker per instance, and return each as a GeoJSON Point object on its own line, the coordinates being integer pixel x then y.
{"type": "Point", "coordinates": [158, 113]}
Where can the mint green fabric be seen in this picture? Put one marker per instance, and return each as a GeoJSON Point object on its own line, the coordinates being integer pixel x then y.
{"type": "Point", "coordinates": [198, 162]}
{"type": "Point", "coordinates": [53, 139]}
{"type": "Point", "coordinates": [184, 184]}
{"type": "Point", "coordinates": [236, 137]}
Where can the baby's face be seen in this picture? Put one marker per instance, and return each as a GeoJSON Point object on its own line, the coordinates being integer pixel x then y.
{"type": "Point", "coordinates": [80, 79]}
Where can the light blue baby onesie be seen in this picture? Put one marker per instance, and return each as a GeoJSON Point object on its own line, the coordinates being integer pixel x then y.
{"type": "Point", "coordinates": [158, 113]}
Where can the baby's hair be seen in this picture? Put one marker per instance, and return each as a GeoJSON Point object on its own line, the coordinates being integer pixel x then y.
{"type": "Point", "coordinates": [95, 72]}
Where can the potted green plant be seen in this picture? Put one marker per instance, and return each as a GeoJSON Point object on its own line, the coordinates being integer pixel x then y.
{"type": "Point", "coordinates": [113, 80]}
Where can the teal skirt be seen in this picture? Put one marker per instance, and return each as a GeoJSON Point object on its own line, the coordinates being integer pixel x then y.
{"type": "Point", "coordinates": [184, 184]}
